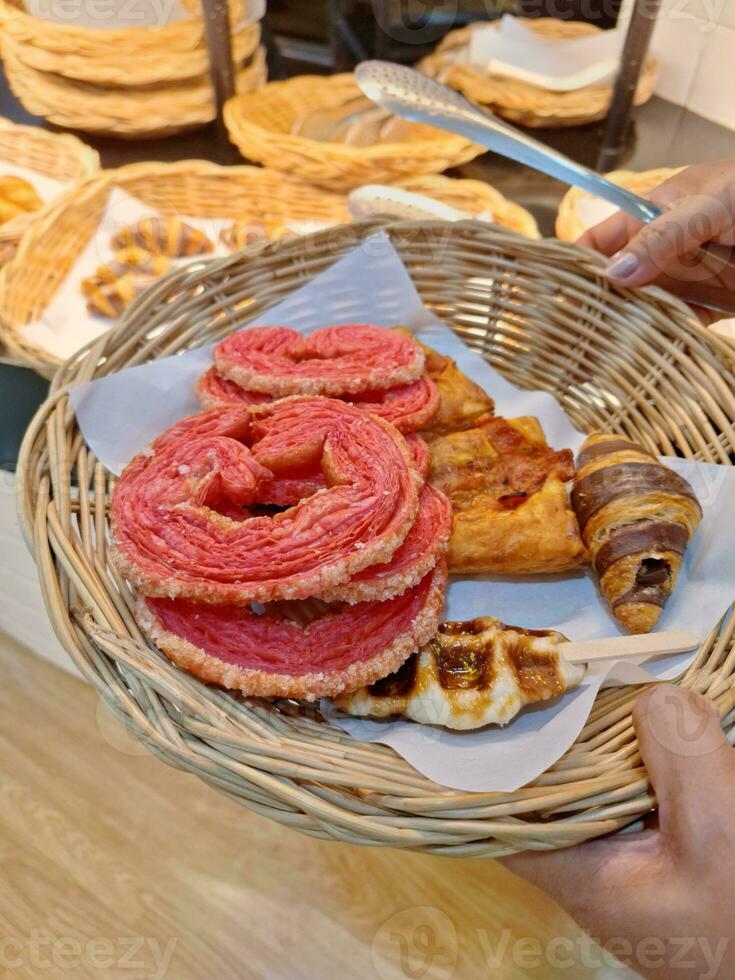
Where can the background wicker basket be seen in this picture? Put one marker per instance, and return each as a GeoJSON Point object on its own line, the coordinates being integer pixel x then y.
{"type": "Point", "coordinates": [57, 155]}
{"type": "Point", "coordinates": [129, 82]}
{"type": "Point", "coordinates": [260, 126]}
{"type": "Point", "coordinates": [521, 102]}
{"type": "Point", "coordinates": [168, 39]}
{"type": "Point", "coordinates": [126, 67]}
{"type": "Point", "coordinates": [633, 362]}
{"type": "Point", "coordinates": [146, 111]}
{"type": "Point", "coordinates": [52, 245]}
{"type": "Point", "coordinates": [569, 222]}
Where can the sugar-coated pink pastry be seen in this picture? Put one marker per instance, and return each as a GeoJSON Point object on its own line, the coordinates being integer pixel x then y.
{"type": "Point", "coordinates": [337, 360]}
{"type": "Point", "coordinates": [425, 544]}
{"type": "Point", "coordinates": [172, 536]}
{"type": "Point", "coordinates": [268, 655]}
{"type": "Point", "coordinates": [409, 407]}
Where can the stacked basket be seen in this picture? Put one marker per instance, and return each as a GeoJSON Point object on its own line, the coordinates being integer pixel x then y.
{"type": "Point", "coordinates": [131, 82]}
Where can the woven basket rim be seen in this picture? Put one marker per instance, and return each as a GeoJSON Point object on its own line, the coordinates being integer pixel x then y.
{"type": "Point", "coordinates": [524, 102]}
{"type": "Point", "coordinates": [283, 763]}
{"type": "Point", "coordinates": [40, 237]}
{"type": "Point", "coordinates": [17, 18]}
{"type": "Point", "coordinates": [237, 107]}
{"type": "Point", "coordinates": [119, 68]}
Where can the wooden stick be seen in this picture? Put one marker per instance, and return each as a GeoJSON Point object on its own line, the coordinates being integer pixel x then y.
{"type": "Point", "coordinates": [647, 645]}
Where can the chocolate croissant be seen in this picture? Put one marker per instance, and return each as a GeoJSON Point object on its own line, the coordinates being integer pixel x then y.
{"type": "Point", "coordinates": [127, 261]}
{"type": "Point", "coordinates": [163, 236]}
{"type": "Point", "coordinates": [113, 298]}
{"type": "Point", "coordinates": [637, 517]}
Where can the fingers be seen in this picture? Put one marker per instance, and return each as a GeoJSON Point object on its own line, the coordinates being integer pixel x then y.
{"type": "Point", "coordinates": [689, 761]}
{"type": "Point", "coordinates": [612, 234]}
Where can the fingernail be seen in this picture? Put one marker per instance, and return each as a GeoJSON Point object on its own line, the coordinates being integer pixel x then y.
{"type": "Point", "coordinates": [622, 265]}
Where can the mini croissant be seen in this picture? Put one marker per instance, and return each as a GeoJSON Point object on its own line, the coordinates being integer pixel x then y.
{"type": "Point", "coordinates": [637, 517]}
{"type": "Point", "coordinates": [113, 298]}
{"type": "Point", "coordinates": [163, 236]}
{"type": "Point", "coordinates": [127, 261]}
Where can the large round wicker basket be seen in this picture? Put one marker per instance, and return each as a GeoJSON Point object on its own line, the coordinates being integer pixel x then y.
{"type": "Point", "coordinates": [521, 102]}
{"type": "Point", "coordinates": [260, 126]}
{"type": "Point", "coordinates": [633, 362]}
{"type": "Point", "coordinates": [52, 245]}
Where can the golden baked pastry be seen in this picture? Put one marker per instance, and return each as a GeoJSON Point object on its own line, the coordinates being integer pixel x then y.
{"type": "Point", "coordinates": [510, 502]}
{"type": "Point", "coordinates": [113, 298]}
{"type": "Point", "coordinates": [163, 236]}
{"type": "Point", "coordinates": [17, 196]}
{"type": "Point", "coordinates": [637, 517]}
{"type": "Point", "coordinates": [134, 260]}
{"type": "Point", "coordinates": [471, 674]}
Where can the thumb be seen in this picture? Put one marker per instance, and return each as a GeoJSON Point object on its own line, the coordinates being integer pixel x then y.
{"type": "Point", "coordinates": [690, 763]}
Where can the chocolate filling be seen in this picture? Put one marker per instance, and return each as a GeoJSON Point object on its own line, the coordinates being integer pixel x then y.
{"type": "Point", "coordinates": [605, 448]}
{"type": "Point", "coordinates": [622, 481]}
{"type": "Point", "coordinates": [653, 571]}
{"type": "Point", "coordinates": [639, 538]}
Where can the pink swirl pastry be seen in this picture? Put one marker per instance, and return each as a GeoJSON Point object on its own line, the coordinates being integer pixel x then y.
{"type": "Point", "coordinates": [409, 407]}
{"type": "Point", "coordinates": [171, 533]}
{"type": "Point", "coordinates": [270, 656]}
{"type": "Point", "coordinates": [336, 360]}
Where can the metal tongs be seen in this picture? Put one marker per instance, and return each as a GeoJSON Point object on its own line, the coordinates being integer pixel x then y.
{"type": "Point", "coordinates": [416, 97]}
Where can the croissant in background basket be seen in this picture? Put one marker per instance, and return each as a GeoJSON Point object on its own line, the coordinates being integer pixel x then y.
{"type": "Point", "coordinates": [520, 101]}
{"type": "Point", "coordinates": [262, 197]}
{"type": "Point", "coordinates": [261, 126]}
{"type": "Point", "coordinates": [579, 210]}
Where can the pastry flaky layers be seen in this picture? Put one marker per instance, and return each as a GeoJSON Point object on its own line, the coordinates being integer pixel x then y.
{"type": "Point", "coordinates": [637, 517]}
{"type": "Point", "coordinates": [469, 675]}
{"type": "Point", "coordinates": [195, 531]}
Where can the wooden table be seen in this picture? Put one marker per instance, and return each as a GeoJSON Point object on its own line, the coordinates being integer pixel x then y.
{"type": "Point", "coordinates": [115, 866]}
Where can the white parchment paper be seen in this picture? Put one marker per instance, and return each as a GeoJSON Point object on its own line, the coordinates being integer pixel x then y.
{"type": "Point", "coordinates": [121, 414]}
{"type": "Point", "coordinates": [512, 50]}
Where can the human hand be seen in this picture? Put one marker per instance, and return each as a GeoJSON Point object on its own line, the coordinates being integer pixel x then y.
{"type": "Point", "coordinates": [699, 208]}
{"type": "Point", "coordinates": [662, 900]}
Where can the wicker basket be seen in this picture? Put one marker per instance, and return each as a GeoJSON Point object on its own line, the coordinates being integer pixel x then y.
{"type": "Point", "coordinates": [167, 41]}
{"type": "Point", "coordinates": [124, 69]}
{"type": "Point", "coordinates": [53, 244]}
{"type": "Point", "coordinates": [260, 126]}
{"type": "Point", "coordinates": [128, 113]}
{"type": "Point", "coordinates": [521, 102]}
{"type": "Point", "coordinates": [633, 362]}
{"type": "Point", "coordinates": [63, 157]}
{"type": "Point", "coordinates": [569, 223]}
